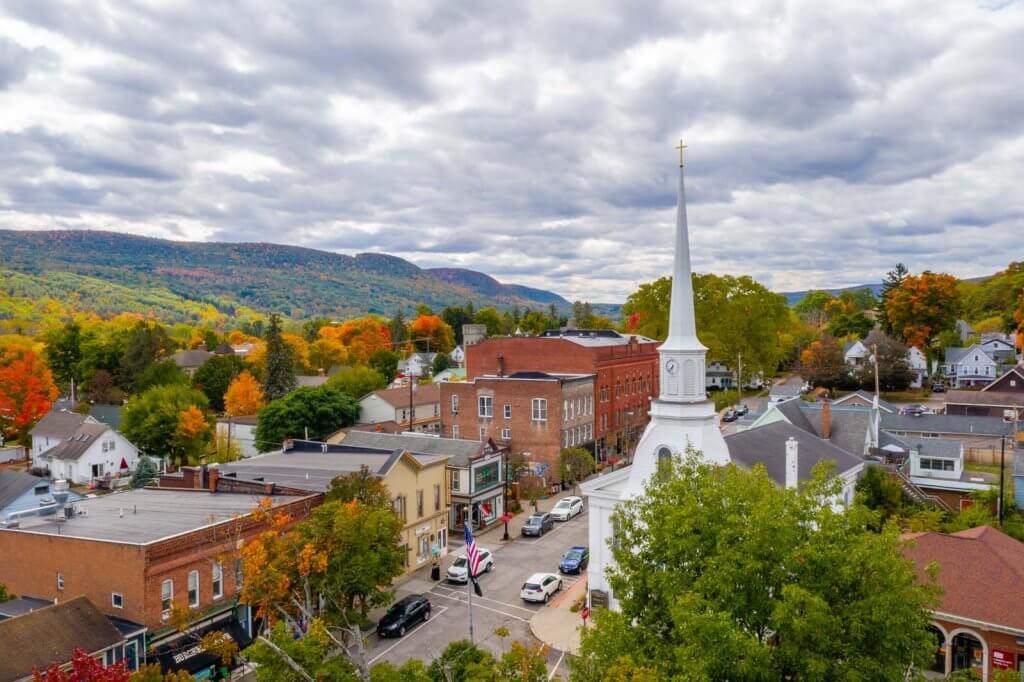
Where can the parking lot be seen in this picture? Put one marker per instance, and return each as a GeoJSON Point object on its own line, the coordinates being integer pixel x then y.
{"type": "Point", "coordinates": [514, 562]}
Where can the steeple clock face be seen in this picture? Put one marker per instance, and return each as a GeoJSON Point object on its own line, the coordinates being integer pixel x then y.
{"type": "Point", "coordinates": [671, 367]}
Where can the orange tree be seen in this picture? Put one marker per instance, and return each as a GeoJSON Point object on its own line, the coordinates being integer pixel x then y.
{"type": "Point", "coordinates": [433, 333]}
{"type": "Point", "coordinates": [170, 421]}
{"type": "Point", "coordinates": [361, 337]}
{"type": "Point", "coordinates": [244, 396]}
{"type": "Point", "coordinates": [27, 391]}
{"type": "Point", "coordinates": [822, 363]}
{"type": "Point", "coordinates": [922, 306]}
{"type": "Point", "coordinates": [324, 572]}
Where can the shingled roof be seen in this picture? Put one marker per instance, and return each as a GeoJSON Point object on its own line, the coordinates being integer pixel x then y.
{"type": "Point", "coordinates": [60, 425]}
{"type": "Point", "coordinates": [76, 444]}
{"type": "Point", "coordinates": [767, 445]}
{"type": "Point", "coordinates": [980, 572]}
{"type": "Point", "coordinates": [51, 634]}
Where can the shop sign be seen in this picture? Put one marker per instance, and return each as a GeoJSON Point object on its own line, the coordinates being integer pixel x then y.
{"type": "Point", "coordinates": [599, 598]}
{"type": "Point", "coordinates": [1006, 660]}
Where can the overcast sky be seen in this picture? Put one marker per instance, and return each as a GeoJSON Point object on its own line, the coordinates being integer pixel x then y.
{"type": "Point", "coordinates": [531, 141]}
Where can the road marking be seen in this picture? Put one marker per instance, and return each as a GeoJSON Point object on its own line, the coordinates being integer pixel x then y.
{"type": "Point", "coordinates": [458, 594]}
{"type": "Point", "coordinates": [554, 670]}
{"type": "Point", "coordinates": [408, 635]}
{"type": "Point", "coordinates": [485, 608]}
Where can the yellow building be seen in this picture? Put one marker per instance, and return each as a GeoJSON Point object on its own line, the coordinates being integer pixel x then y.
{"type": "Point", "coordinates": [416, 483]}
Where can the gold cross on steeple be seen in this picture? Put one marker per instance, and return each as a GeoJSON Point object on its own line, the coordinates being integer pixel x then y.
{"type": "Point", "coordinates": [681, 147]}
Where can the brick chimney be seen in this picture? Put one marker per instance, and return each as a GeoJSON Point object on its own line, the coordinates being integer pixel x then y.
{"type": "Point", "coordinates": [501, 365]}
{"type": "Point", "coordinates": [213, 474]}
{"type": "Point", "coordinates": [826, 421]}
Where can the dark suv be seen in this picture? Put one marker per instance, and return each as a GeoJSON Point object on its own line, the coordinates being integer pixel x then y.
{"type": "Point", "coordinates": [403, 614]}
{"type": "Point", "coordinates": [538, 524]}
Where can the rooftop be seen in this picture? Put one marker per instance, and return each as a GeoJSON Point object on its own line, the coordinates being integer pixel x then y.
{"type": "Point", "coordinates": [947, 423]}
{"type": "Point", "coordinates": [75, 445]}
{"type": "Point", "coordinates": [425, 394]}
{"type": "Point", "coordinates": [51, 634]}
{"type": "Point", "coordinates": [459, 451]}
{"type": "Point", "coordinates": [980, 572]}
{"type": "Point", "coordinates": [534, 376]}
{"type": "Point", "coordinates": [59, 424]}
{"type": "Point", "coordinates": [14, 484]}
{"type": "Point", "coordinates": [767, 445]}
{"type": "Point", "coordinates": [144, 516]}
{"type": "Point", "coordinates": [993, 398]}
{"type": "Point", "coordinates": [594, 337]}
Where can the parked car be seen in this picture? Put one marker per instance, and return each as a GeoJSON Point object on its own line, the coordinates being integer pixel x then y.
{"type": "Point", "coordinates": [807, 387]}
{"type": "Point", "coordinates": [575, 560]}
{"type": "Point", "coordinates": [403, 614]}
{"type": "Point", "coordinates": [567, 508]}
{"type": "Point", "coordinates": [458, 572]}
{"type": "Point", "coordinates": [938, 387]}
{"type": "Point", "coordinates": [538, 524]}
{"type": "Point", "coordinates": [540, 587]}
{"type": "Point", "coordinates": [730, 416]}
{"type": "Point", "coordinates": [741, 409]}
{"type": "Point", "coordinates": [915, 410]}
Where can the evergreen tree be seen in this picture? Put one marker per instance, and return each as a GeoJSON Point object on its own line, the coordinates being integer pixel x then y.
{"type": "Point", "coordinates": [279, 377]}
{"type": "Point", "coordinates": [146, 343]}
{"type": "Point", "coordinates": [64, 352]}
{"type": "Point", "coordinates": [398, 328]}
{"type": "Point", "coordinates": [145, 472]}
{"type": "Point", "coordinates": [214, 377]}
{"type": "Point", "coordinates": [893, 279]}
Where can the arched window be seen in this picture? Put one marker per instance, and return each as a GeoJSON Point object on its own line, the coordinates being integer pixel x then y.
{"type": "Point", "coordinates": [664, 454]}
{"type": "Point", "coordinates": [968, 653]}
{"type": "Point", "coordinates": [939, 663]}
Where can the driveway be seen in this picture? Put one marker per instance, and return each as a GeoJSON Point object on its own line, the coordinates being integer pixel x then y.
{"type": "Point", "coordinates": [514, 562]}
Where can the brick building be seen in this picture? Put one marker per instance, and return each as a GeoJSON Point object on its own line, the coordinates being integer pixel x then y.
{"type": "Point", "coordinates": [625, 370]}
{"type": "Point", "coordinates": [979, 626]}
{"type": "Point", "coordinates": [531, 413]}
{"type": "Point", "coordinates": [137, 553]}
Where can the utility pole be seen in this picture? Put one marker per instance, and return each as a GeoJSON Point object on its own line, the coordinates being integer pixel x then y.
{"type": "Point", "coordinates": [1002, 472]}
{"type": "Point", "coordinates": [874, 356]}
{"type": "Point", "coordinates": [412, 382]}
{"type": "Point", "coordinates": [469, 591]}
{"type": "Point", "coordinates": [739, 376]}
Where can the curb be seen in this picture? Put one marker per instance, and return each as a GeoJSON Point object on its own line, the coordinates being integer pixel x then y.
{"type": "Point", "coordinates": [567, 594]}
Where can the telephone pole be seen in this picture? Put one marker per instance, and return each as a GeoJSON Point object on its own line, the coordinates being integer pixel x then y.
{"type": "Point", "coordinates": [739, 376]}
{"type": "Point", "coordinates": [874, 356]}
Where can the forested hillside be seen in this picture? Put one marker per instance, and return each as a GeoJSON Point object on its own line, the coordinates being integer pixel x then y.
{"type": "Point", "coordinates": [107, 273]}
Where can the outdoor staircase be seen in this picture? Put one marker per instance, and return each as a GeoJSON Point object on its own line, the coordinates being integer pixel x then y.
{"type": "Point", "coordinates": [913, 491]}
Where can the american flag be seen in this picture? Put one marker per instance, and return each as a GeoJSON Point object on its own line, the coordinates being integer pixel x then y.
{"type": "Point", "coordinates": [472, 553]}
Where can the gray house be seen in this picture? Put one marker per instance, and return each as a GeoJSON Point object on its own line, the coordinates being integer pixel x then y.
{"type": "Point", "coordinates": [23, 492]}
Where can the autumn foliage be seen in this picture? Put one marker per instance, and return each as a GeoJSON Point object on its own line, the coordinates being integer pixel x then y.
{"type": "Point", "coordinates": [360, 337]}
{"type": "Point", "coordinates": [432, 333]}
{"type": "Point", "coordinates": [244, 396]}
{"type": "Point", "coordinates": [84, 668]}
{"type": "Point", "coordinates": [27, 390]}
{"type": "Point", "coordinates": [923, 306]}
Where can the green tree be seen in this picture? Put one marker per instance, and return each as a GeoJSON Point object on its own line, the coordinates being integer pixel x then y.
{"type": "Point", "coordinates": [881, 491]}
{"type": "Point", "coordinates": [455, 317]}
{"type": "Point", "coordinates": [457, 660]}
{"type": "Point", "coordinates": [357, 381]}
{"type": "Point", "coordinates": [214, 377]}
{"type": "Point", "coordinates": [145, 473]}
{"type": "Point", "coordinates": [893, 371]}
{"type": "Point", "coordinates": [893, 279]}
{"type": "Point", "coordinates": [363, 486]}
{"type": "Point", "coordinates": [582, 315]}
{"type": "Point", "coordinates": [411, 671]}
{"type": "Point", "coordinates": [161, 373]}
{"type": "Point", "coordinates": [4, 594]}
{"type": "Point", "coordinates": [575, 465]}
{"type": "Point", "coordinates": [385, 362]}
{"type": "Point", "coordinates": [283, 657]}
{"type": "Point", "coordinates": [279, 373]}
{"type": "Point", "coordinates": [440, 364]}
{"type": "Point", "coordinates": [490, 318]}
{"type": "Point", "coordinates": [645, 311]}
{"type": "Point", "coordinates": [145, 344]}
{"type": "Point", "coordinates": [722, 574]}
{"type": "Point", "coordinates": [311, 328]}
{"type": "Point", "coordinates": [64, 352]}
{"type": "Point", "coordinates": [153, 421]}
{"type": "Point", "coordinates": [321, 411]}
{"type": "Point", "coordinates": [814, 307]}
{"type": "Point", "coordinates": [398, 328]}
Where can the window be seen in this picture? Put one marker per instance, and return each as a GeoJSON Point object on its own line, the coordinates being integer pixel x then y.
{"type": "Point", "coordinates": [399, 506]}
{"type": "Point", "coordinates": [486, 475]}
{"type": "Point", "coordinates": [455, 431]}
{"type": "Point", "coordinates": [565, 439]}
{"type": "Point", "coordinates": [419, 504]}
{"type": "Point", "coordinates": [437, 497]}
{"type": "Point", "coordinates": [166, 597]}
{"type": "Point", "coordinates": [937, 464]}
{"type": "Point", "coordinates": [565, 410]}
{"type": "Point", "coordinates": [485, 406]}
{"type": "Point", "coordinates": [455, 481]}
{"type": "Point", "coordinates": [60, 581]}
{"type": "Point", "coordinates": [423, 549]}
{"type": "Point", "coordinates": [117, 600]}
{"type": "Point", "coordinates": [218, 581]}
{"type": "Point", "coordinates": [508, 411]}
{"type": "Point", "coordinates": [506, 434]}
{"type": "Point", "coordinates": [455, 404]}
{"type": "Point", "coordinates": [540, 410]}
{"type": "Point", "coordinates": [193, 588]}
{"type": "Point", "coordinates": [483, 433]}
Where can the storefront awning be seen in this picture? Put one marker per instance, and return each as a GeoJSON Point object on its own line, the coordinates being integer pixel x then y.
{"type": "Point", "coordinates": [187, 653]}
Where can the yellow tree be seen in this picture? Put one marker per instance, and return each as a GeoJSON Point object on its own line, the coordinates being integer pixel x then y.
{"type": "Point", "coordinates": [922, 306]}
{"type": "Point", "coordinates": [244, 396]}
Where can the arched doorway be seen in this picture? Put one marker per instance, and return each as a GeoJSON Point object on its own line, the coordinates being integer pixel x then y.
{"type": "Point", "coordinates": [968, 653]}
{"type": "Point", "coordinates": [939, 663]}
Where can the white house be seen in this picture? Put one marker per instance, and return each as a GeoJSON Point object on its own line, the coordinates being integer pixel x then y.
{"type": "Point", "coordinates": [457, 356]}
{"type": "Point", "coordinates": [417, 364]}
{"type": "Point", "coordinates": [918, 364]}
{"type": "Point", "coordinates": [967, 367]}
{"type": "Point", "coordinates": [718, 377]}
{"type": "Point", "coordinates": [80, 449]}
{"type": "Point", "coordinates": [999, 347]}
{"type": "Point", "coordinates": [392, 405]}
{"type": "Point", "coordinates": [855, 353]}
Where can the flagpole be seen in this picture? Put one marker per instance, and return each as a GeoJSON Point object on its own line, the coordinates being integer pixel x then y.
{"type": "Point", "coordinates": [469, 593]}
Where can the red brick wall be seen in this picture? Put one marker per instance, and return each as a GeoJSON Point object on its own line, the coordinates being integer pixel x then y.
{"type": "Point", "coordinates": [994, 640]}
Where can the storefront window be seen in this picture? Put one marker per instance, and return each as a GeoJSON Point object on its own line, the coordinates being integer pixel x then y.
{"type": "Point", "coordinates": [486, 475]}
{"type": "Point", "coordinates": [968, 653]}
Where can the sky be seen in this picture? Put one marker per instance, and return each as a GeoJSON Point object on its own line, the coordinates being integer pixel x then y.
{"type": "Point", "coordinates": [533, 141]}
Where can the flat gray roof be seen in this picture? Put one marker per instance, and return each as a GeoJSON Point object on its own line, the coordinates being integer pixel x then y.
{"type": "Point", "coordinates": [148, 515]}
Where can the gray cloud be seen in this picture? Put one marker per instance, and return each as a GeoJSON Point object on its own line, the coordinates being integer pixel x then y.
{"type": "Point", "coordinates": [531, 141]}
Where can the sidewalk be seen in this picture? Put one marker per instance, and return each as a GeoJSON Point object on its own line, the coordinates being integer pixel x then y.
{"type": "Point", "coordinates": [556, 625]}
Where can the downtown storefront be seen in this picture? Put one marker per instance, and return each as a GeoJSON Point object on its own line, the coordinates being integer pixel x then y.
{"type": "Point", "coordinates": [184, 651]}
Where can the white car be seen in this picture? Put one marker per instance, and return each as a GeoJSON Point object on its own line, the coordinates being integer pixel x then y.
{"type": "Point", "coordinates": [540, 587]}
{"type": "Point", "coordinates": [458, 572]}
{"type": "Point", "coordinates": [567, 508]}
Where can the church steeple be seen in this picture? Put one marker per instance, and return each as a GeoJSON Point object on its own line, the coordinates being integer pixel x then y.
{"type": "Point", "coordinates": [682, 354]}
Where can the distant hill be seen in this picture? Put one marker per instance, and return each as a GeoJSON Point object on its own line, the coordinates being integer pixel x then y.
{"type": "Point", "coordinates": [794, 297]}
{"type": "Point", "coordinates": [170, 278]}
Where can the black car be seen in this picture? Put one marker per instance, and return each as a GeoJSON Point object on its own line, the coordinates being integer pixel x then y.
{"type": "Point", "coordinates": [403, 614]}
{"type": "Point", "coordinates": [938, 387]}
{"type": "Point", "coordinates": [575, 560]}
{"type": "Point", "coordinates": [730, 416]}
{"type": "Point", "coordinates": [538, 524]}
{"type": "Point", "coordinates": [742, 409]}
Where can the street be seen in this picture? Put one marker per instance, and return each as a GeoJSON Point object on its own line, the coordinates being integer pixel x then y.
{"type": "Point", "coordinates": [514, 562]}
